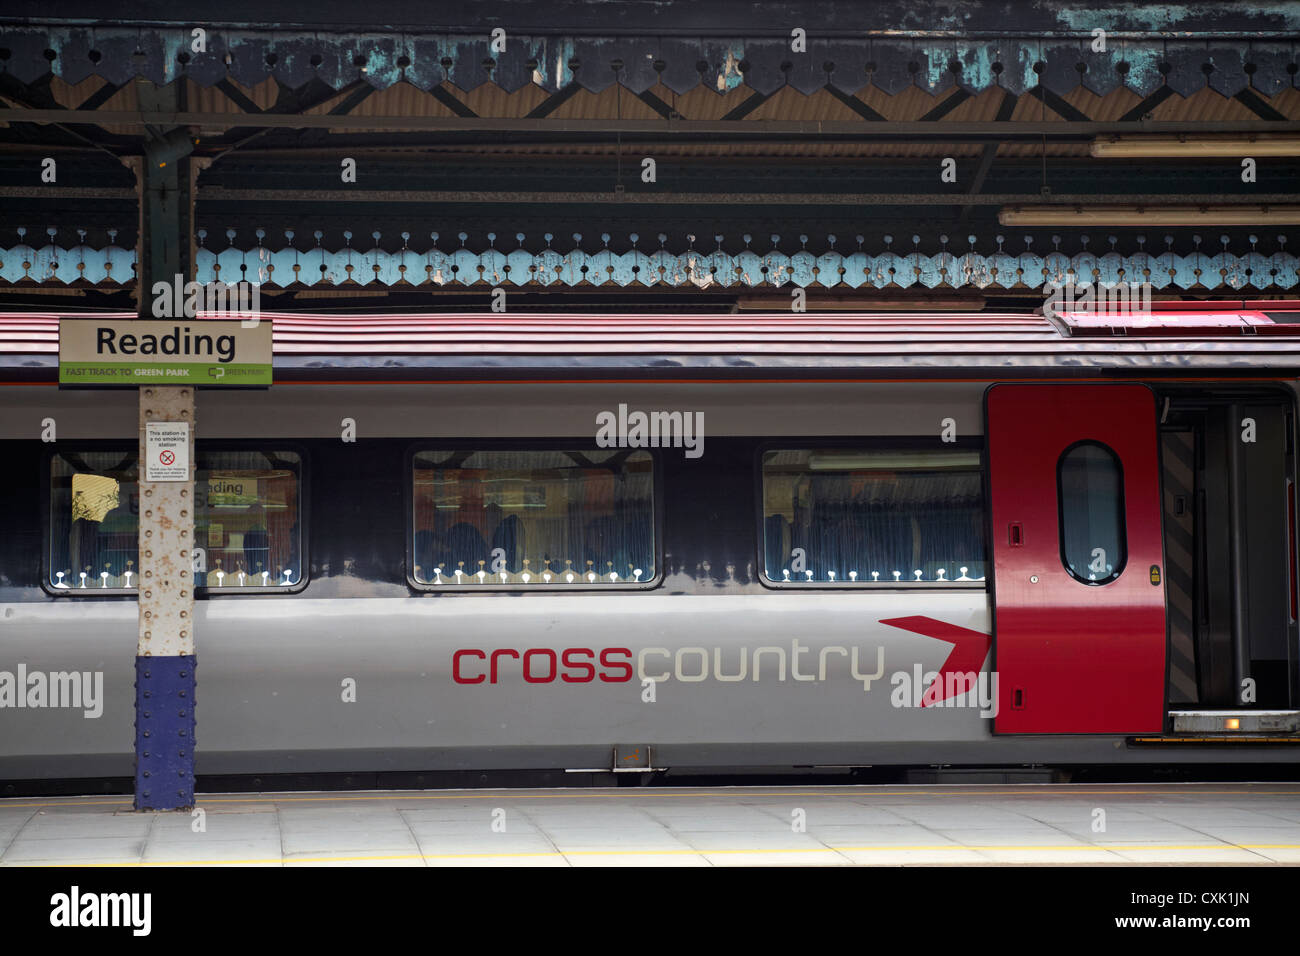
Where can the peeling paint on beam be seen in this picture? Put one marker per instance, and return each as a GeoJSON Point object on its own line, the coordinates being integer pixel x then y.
{"type": "Point", "coordinates": [554, 56]}
{"type": "Point", "coordinates": [759, 18]}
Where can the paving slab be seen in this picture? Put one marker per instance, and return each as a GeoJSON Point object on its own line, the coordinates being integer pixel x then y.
{"type": "Point", "coordinates": [1246, 824]}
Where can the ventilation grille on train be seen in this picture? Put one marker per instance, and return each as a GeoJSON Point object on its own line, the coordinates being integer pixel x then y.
{"type": "Point", "coordinates": [1226, 318]}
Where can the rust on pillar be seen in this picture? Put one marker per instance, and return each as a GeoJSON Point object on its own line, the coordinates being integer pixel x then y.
{"type": "Point", "coordinates": [166, 537]}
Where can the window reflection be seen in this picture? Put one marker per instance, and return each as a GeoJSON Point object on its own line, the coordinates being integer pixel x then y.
{"type": "Point", "coordinates": [533, 518]}
{"type": "Point", "coordinates": [864, 516]}
{"type": "Point", "coordinates": [246, 520]}
{"type": "Point", "coordinates": [94, 505]}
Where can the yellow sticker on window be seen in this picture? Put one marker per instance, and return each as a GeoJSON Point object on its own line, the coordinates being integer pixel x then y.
{"type": "Point", "coordinates": [93, 496]}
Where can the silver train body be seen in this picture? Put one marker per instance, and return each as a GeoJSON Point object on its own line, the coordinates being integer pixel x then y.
{"type": "Point", "coordinates": [820, 684]}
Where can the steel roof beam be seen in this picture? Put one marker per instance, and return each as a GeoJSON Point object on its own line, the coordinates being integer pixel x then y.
{"type": "Point", "coordinates": [920, 129]}
{"type": "Point", "coordinates": [886, 19]}
{"type": "Point", "coordinates": [219, 193]}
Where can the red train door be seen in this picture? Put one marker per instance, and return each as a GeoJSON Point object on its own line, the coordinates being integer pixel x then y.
{"type": "Point", "coordinates": [1079, 610]}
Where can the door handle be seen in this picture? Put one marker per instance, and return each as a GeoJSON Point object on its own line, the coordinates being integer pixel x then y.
{"type": "Point", "coordinates": [1014, 537]}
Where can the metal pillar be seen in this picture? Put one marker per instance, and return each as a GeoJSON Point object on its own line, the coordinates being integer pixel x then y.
{"type": "Point", "coordinates": [165, 660]}
{"type": "Point", "coordinates": [166, 188]}
{"type": "Point", "coordinates": [164, 663]}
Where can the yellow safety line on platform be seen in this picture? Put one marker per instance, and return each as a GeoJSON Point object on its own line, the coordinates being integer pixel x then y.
{"type": "Point", "coordinates": [525, 795]}
{"type": "Point", "coordinates": [691, 852]}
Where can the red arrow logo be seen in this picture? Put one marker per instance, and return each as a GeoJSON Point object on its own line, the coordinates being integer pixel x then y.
{"type": "Point", "coordinates": [969, 648]}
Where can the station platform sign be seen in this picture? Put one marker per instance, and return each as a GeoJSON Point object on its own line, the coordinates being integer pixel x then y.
{"type": "Point", "coordinates": [133, 352]}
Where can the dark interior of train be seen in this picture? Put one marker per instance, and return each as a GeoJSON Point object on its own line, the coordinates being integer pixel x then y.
{"type": "Point", "coordinates": [1228, 470]}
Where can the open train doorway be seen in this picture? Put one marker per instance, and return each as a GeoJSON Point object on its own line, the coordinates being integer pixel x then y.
{"type": "Point", "coordinates": [1228, 498]}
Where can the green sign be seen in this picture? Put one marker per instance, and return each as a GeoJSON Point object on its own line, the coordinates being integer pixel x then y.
{"type": "Point", "coordinates": [200, 352]}
{"type": "Point", "coordinates": [162, 373]}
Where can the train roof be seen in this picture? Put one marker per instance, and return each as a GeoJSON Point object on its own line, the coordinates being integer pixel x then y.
{"type": "Point", "coordinates": [1240, 335]}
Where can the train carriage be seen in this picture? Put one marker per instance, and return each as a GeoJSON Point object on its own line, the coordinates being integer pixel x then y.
{"type": "Point", "coordinates": [684, 544]}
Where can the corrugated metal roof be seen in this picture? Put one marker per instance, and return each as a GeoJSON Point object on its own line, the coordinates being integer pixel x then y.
{"type": "Point", "coordinates": [647, 335]}
{"type": "Point", "coordinates": [556, 333]}
{"type": "Point", "coordinates": [908, 340]}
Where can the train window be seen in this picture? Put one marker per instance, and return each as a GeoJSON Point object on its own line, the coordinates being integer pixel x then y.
{"type": "Point", "coordinates": [533, 519]}
{"type": "Point", "coordinates": [94, 506]}
{"type": "Point", "coordinates": [1090, 485]}
{"type": "Point", "coordinates": [247, 519]}
{"type": "Point", "coordinates": [862, 517]}
{"type": "Point", "coordinates": [246, 525]}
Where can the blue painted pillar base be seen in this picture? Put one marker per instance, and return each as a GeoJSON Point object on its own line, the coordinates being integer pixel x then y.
{"type": "Point", "coordinates": [164, 733]}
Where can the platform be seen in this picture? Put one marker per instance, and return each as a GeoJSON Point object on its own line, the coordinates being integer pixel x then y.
{"type": "Point", "coordinates": [1205, 824]}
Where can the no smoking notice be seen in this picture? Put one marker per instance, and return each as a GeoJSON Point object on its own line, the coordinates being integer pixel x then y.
{"type": "Point", "coordinates": [167, 451]}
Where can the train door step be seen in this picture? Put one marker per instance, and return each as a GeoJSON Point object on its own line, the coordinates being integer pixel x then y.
{"type": "Point", "coordinates": [997, 775]}
{"type": "Point", "coordinates": [634, 758]}
{"type": "Point", "coordinates": [1228, 722]}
